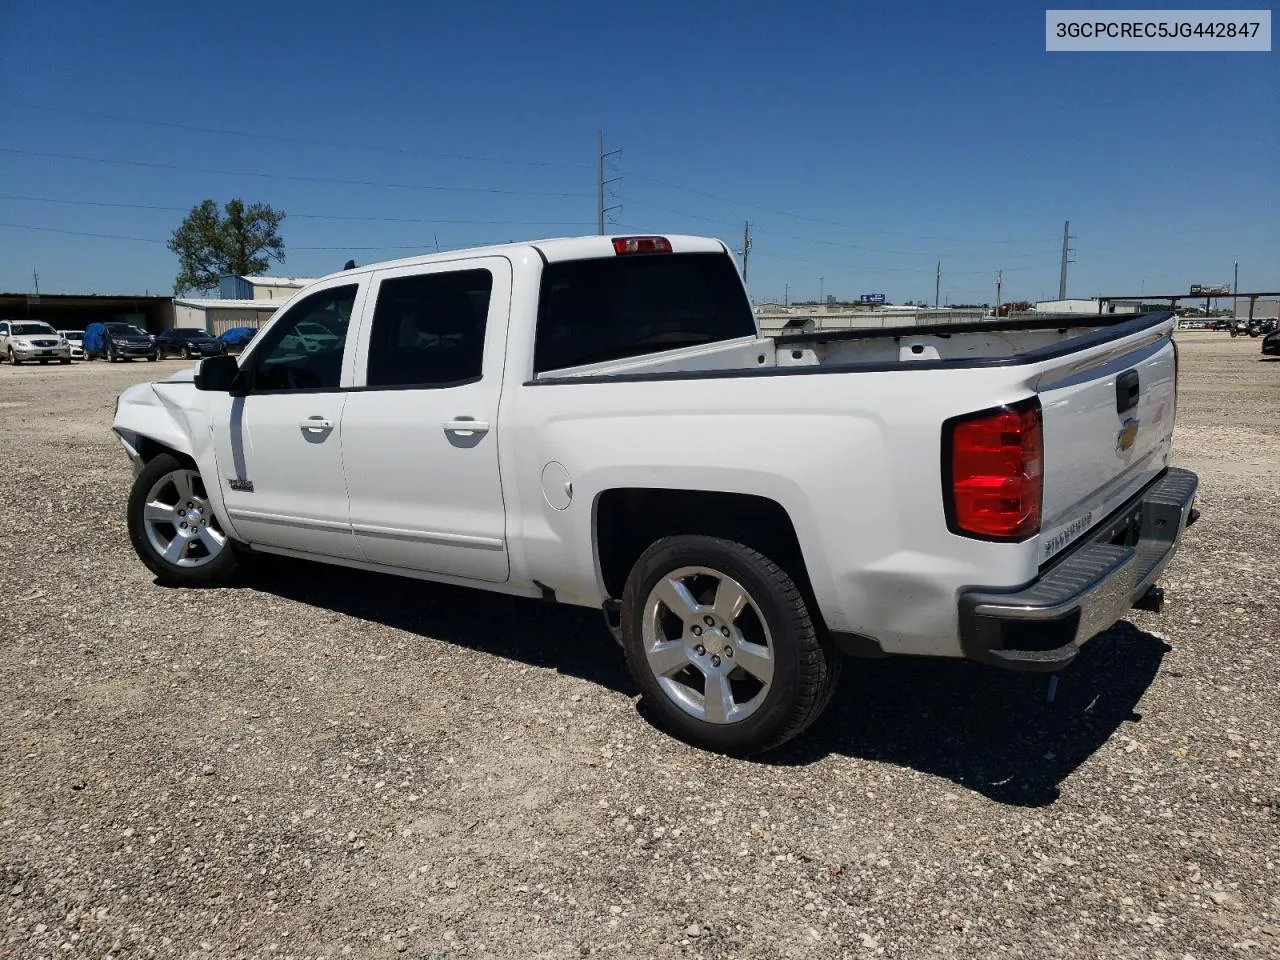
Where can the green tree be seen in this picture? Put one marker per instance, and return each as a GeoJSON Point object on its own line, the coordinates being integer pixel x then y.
{"type": "Point", "coordinates": [240, 240]}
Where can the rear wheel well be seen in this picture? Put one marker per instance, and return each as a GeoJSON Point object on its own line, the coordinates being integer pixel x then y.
{"type": "Point", "coordinates": [629, 520]}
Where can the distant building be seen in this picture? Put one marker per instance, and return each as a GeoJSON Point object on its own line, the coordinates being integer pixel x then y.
{"type": "Point", "coordinates": [219, 316]}
{"type": "Point", "coordinates": [278, 289]}
{"type": "Point", "coordinates": [1087, 306]}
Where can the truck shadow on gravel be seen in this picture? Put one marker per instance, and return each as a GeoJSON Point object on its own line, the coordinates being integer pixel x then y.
{"type": "Point", "coordinates": [986, 730]}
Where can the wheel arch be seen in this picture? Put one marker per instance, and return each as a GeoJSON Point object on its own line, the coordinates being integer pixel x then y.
{"type": "Point", "coordinates": [627, 520]}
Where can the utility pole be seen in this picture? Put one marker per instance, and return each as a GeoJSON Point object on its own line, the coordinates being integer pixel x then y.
{"type": "Point", "coordinates": [746, 247]}
{"type": "Point", "coordinates": [822, 290]}
{"type": "Point", "coordinates": [999, 283]}
{"type": "Point", "coordinates": [36, 277]}
{"type": "Point", "coordinates": [1066, 253]}
{"type": "Point", "coordinates": [937, 285]}
{"type": "Point", "coordinates": [786, 294]}
{"type": "Point", "coordinates": [1235, 289]}
{"type": "Point", "coordinates": [602, 183]}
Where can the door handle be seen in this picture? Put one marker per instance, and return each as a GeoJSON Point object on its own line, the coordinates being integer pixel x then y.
{"type": "Point", "coordinates": [316, 425]}
{"type": "Point", "coordinates": [466, 427]}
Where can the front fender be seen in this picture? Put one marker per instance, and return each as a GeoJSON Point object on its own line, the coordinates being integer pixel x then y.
{"type": "Point", "coordinates": [170, 416]}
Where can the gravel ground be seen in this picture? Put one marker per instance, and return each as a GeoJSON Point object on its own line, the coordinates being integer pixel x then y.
{"type": "Point", "coordinates": [321, 763]}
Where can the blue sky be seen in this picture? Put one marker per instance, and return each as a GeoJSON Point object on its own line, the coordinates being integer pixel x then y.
{"type": "Point", "coordinates": [863, 142]}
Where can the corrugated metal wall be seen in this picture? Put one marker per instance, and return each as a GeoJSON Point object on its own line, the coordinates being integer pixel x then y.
{"type": "Point", "coordinates": [220, 321]}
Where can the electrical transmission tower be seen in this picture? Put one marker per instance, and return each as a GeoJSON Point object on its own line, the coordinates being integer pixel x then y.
{"type": "Point", "coordinates": [602, 184]}
{"type": "Point", "coordinates": [1066, 258]}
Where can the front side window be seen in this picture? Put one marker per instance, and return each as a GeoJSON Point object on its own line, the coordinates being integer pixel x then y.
{"type": "Point", "coordinates": [304, 350]}
{"type": "Point", "coordinates": [4, 329]}
{"type": "Point", "coordinates": [428, 330]}
{"type": "Point", "coordinates": [627, 306]}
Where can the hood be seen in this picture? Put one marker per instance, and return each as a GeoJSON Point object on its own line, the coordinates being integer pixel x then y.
{"type": "Point", "coordinates": [26, 338]}
{"type": "Point", "coordinates": [130, 337]}
{"type": "Point", "coordinates": [185, 375]}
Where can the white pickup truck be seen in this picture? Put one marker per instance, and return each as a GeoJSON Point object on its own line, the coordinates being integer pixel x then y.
{"type": "Point", "coordinates": [598, 421]}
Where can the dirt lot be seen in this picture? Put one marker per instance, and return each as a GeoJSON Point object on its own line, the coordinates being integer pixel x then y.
{"type": "Point", "coordinates": [325, 763]}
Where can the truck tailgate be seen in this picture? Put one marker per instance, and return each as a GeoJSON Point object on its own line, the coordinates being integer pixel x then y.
{"type": "Point", "coordinates": [1108, 429]}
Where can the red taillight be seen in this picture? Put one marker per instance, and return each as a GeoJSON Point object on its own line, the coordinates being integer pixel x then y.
{"type": "Point", "coordinates": [641, 245]}
{"type": "Point", "coordinates": [996, 472]}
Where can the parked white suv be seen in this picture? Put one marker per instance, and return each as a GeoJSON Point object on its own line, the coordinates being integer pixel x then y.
{"type": "Point", "coordinates": [23, 340]}
{"type": "Point", "coordinates": [598, 421]}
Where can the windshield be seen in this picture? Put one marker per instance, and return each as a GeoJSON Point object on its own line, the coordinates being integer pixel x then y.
{"type": "Point", "coordinates": [126, 328]}
{"type": "Point", "coordinates": [190, 333]}
{"type": "Point", "coordinates": [72, 334]}
{"type": "Point", "coordinates": [29, 329]}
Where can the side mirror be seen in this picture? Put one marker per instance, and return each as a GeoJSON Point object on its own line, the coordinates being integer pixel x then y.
{"type": "Point", "coordinates": [218, 373]}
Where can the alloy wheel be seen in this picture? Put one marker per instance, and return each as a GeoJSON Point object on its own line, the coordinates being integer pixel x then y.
{"type": "Point", "coordinates": [708, 644]}
{"type": "Point", "coordinates": [180, 524]}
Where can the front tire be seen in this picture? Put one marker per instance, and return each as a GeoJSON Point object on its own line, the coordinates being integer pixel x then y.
{"type": "Point", "coordinates": [13, 358]}
{"type": "Point", "coordinates": [720, 641]}
{"type": "Point", "coordinates": [173, 528]}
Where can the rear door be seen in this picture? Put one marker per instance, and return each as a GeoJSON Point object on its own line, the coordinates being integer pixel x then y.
{"type": "Point", "coordinates": [420, 428]}
{"type": "Point", "coordinates": [1108, 430]}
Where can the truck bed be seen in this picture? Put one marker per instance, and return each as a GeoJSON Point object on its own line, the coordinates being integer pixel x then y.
{"type": "Point", "coordinates": [939, 346]}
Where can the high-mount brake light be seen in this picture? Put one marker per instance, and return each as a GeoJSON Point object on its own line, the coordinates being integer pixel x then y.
{"type": "Point", "coordinates": [994, 467]}
{"type": "Point", "coordinates": [623, 245]}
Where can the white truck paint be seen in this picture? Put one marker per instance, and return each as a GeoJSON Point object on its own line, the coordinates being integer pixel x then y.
{"type": "Point", "coordinates": [499, 480]}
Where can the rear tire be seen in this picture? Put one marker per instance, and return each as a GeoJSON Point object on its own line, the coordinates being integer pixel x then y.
{"type": "Point", "coordinates": [187, 548]}
{"type": "Point", "coordinates": [765, 672]}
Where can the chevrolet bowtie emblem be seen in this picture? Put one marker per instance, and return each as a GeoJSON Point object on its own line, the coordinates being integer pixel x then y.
{"type": "Point", "coordinates": [1127, 435]}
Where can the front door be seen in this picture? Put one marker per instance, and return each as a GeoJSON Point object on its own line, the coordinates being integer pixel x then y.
{"type": "Point", "coordinates": [279, 448]}
{"type": "Point", "coordinates": [420, 429]}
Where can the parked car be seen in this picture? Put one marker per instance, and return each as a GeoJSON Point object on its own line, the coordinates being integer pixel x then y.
{"type": "Point", "coordinates": [189, 343]}
{"type": "Point", "coordinates": [76, 339]}
{"type": "Point", "coordinates": [1271, 343]}
{"type": "Point", "coordinates": [117, 340]}
{"type": "Point", "coordinates": [237, 338]}
{"type": "Point", "coordinates": [23, 340]}
{"type": "Point", "coordinates": [598, 421]}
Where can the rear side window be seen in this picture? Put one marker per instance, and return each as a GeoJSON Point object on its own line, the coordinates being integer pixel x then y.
{"type": "Point", "coordinates": [594, 310]}
{"type": "Point", "coordinates": [428, 330]}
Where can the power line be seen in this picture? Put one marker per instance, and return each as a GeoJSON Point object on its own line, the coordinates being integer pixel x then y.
{"type": "Point", "coordinates": [307, 216]}
{"type": "Point", "coordinates": [872, 268]}
{"type": "Point", "coordinates": [305, 141]}
{"type": "Point", "coordinates": [78, 233]}
{"type": "Point", "coordinates": [420, 247]}
{"type": "Point", "coordinates": [790, 236]}
{"type": "Point", "coordinates": [829, 223]}
{"type": "Point", "coordinates": [296, 177]}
